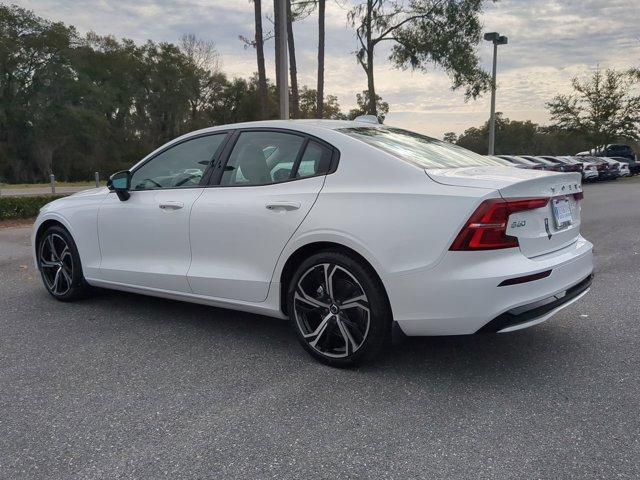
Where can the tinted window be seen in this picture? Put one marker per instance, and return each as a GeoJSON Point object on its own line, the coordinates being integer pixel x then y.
{"type": "Point", "coordinates": [260, 158]}
{"type": "Point", "coordinates": [181, 166]}
{"type": "Point", "coordinates": [419, 149]}
{"type": "Point", "coordinates": [315, 160]}
{"type": "Point", "coordinates": [619, 149]}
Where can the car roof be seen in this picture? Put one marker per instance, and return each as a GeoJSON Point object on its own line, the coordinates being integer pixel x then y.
{"type": "Point", "coordinates": [520, 160]}
{"type": "Point", "coordinates": [307, 126]}
{"type": "Point", "coordinates": [538, 159]}
{"type": "Point", "coordinates": [301, 124]}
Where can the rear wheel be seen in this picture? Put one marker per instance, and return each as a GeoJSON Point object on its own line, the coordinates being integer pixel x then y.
{"type": "Point", "coordinates": [339, 309]}
{"type": "Point", "coordinates": [60, 266]}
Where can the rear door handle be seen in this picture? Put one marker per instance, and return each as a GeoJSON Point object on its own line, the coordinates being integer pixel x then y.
{"type": "Point", "coordinates": [171, 205]}
{"type": "Point", "coordinates": [283, 206]}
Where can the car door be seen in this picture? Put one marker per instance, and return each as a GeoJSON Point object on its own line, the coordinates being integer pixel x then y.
{"type": "Point", "coordinates": [144, 241]}
{"type": "Point", "coordinates": [240, 226]}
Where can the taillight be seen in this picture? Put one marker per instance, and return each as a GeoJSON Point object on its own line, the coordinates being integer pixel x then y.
{"type": "Point", "coordinates": [487, 227]}
{"type": "Point", "coordinates": [578, 196]}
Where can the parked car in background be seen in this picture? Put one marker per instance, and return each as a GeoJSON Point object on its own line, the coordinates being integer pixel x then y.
{"type": "Point", "coordinates": [589, 168]}
{"type": "Point", "coordinates": [521, 162]}
{"type": "Point", "coordinates": [622, 167]}
{"type": "Point", "coordinates": [616, 150]}
{"type": "Point", "coordinates": [613, 151]}
{"type": "Point", "coordinates": [566, 163]}
{"type": "Point", "coordinates": [602, 167]}
{"type": "Point", "coordinates": [504, 162]}
{"type": "Point", "coordinates": [610, 169]}
{"type": "Point", "coordinates": [634, 166]}
{"type": "Point", "coordinates": [624, 170]}
{"type": "Point", "coordinates": [606, 171]}
{"type": "Point", "coordinates": [546, 164]}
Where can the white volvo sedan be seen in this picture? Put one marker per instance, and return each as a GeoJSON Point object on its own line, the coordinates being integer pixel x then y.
{"type": "Point", "coordinates": [349, 229]}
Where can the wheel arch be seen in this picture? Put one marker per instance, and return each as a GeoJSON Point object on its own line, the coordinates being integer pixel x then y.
{"type": "Point", "coordinates": [305, 251]}
{"type": "Point", "coordinates": [49, 222]}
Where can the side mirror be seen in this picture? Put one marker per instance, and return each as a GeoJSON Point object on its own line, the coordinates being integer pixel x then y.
{"type": "Point", "coordinates": [120, 183]}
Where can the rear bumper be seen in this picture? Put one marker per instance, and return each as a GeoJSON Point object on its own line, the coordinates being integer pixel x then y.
{"type": "Point", "coordinates": [532, 314]}
{"type": "Point", "coordinates": [462, 294]}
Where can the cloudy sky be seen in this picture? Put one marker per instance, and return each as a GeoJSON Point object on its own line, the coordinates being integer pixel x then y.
{"type": "Point", "coordinates": [550, 41]}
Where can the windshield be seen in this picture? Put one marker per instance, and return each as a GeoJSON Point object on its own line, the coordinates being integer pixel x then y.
{"type": "Point", "coordinates": [420, 150]}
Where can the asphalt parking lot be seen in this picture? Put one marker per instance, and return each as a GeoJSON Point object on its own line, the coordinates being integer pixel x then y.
{"type": "Point", "coordinates": [125, 386]}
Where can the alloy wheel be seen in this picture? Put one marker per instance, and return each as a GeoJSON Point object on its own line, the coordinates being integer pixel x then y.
{"type": "Point", "coordinates": [56, 264]}
{"type": "Point", "coordinates": [331, 310]}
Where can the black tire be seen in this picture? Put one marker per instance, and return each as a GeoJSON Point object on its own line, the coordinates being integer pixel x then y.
{"type": "Point", "coordinates": [61, 271]}
{"type": "Point", "coordinates": [353, 332]}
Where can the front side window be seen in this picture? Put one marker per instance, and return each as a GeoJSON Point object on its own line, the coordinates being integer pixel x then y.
{"type": "Point", "coordinates": [423, 151]}
{"type": "Point", "coordinates": [181, 166]}
{"type": "Point", "coordinates": [262, 158]}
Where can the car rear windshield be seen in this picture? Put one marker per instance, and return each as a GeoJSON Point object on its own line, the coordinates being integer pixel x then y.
{"type": "Point", "coordinates": [420, 150]}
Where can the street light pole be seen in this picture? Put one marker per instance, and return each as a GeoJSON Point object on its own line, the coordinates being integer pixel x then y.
{"type": "Point", "coordinates": [497, 39]}
{"type": "Point", "coordinates": [492, 118]}
{"type": "Point", "coordinates": [284, 69]}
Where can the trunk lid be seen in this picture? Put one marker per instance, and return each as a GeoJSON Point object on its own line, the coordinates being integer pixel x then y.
{"type": "Point", "coordinates": [538, 231]}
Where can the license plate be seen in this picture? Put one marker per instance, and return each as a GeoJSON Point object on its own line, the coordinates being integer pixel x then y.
{"type": "Point", "coordinates": [562, 212]}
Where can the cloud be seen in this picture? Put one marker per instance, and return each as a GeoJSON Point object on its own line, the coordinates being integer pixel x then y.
{"type": "Point", "coordinates": [550, 41]}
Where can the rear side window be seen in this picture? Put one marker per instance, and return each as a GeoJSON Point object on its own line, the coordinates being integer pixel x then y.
{"type": "Point", "coordinates": [423, 151]}
{"type": "Point", "coordinates": [315, 161]}
{"type": "Point", "coordinates": [262, 158]}
{"type": "Point", "coordinates": [265, 157]}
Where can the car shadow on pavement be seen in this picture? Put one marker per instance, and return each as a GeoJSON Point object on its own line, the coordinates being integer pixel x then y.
{"type": "Point", "coordinates": [490, 358]}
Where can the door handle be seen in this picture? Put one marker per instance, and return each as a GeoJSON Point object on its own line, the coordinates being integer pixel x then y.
{"type": "Point", "coordinates": [283, 206]}
{"type": "Point", "coordinates": [171, 205]}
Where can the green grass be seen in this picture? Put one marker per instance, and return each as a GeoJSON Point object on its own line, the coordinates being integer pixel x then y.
{"type": "Point", "coordinates": [12, 186]}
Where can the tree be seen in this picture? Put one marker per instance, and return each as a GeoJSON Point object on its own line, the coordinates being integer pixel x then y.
{"type": "Point", "coordinates": [301, 9]}
{"type": "Point", "coordinates": [309, 105]}
{"type": "Point", "coordinates": [202, 53]}
{"type": "Point", "coordinates": [38, 91]}
{"type": "Point", "coordinates": [276, 30]}
{"type": "Point", "coordinates": [259, 45]}
{"type": "Point", "coordinates": [604, 107]}
{"type": "Point", "coordinates": [204, 59]}
{"type": "Point", "coordinates": [423, 33]}
{"type": "Point", "coordinates": [295, 12]}
{"type": "Point", "coordinates": [363, 102]}
{"type": "Point", "coordinates": [75, 105]}
{"type": "Point", "coordinates": [450, 137]}
{"type": "Point", "coordinates": [293, 68]}
{"type": "Point", "coordinates": [515, 137]}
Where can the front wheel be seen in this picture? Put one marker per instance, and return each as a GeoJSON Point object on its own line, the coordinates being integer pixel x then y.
{"type": "Point", "coordinates": [339, 309]}
{"type": "Point", "coordinates": [59, 265]}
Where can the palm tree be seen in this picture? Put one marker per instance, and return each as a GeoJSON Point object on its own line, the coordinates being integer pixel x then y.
{"type": "Point", "coordinates": [276, 37]}
{"type": "Point", "coordinates": [293, 69]}
{"type": "Point", "coordinates": [259, 44]}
